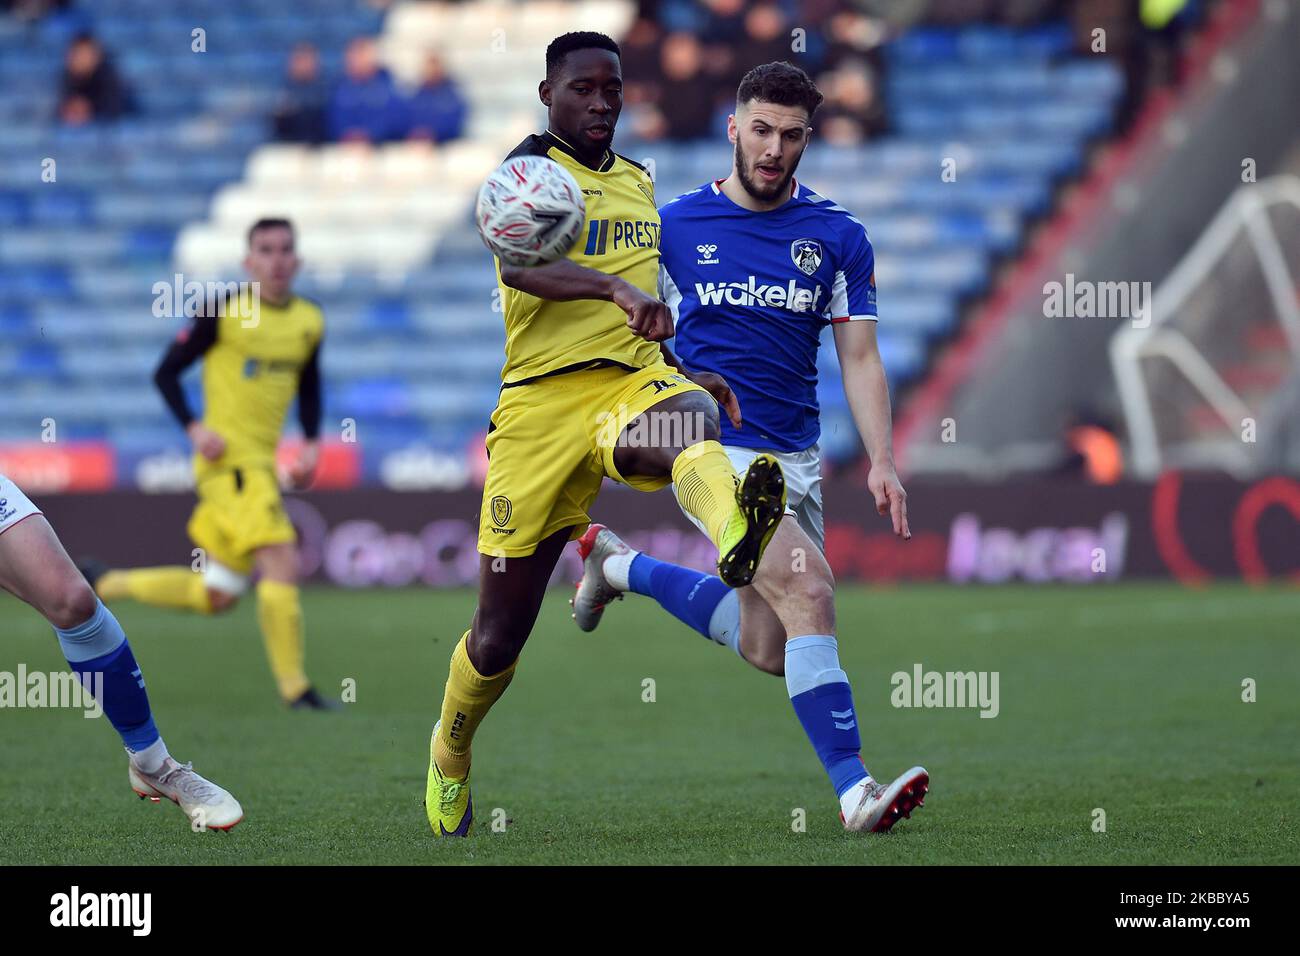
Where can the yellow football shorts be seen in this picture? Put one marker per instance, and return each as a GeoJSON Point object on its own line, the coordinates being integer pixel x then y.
{"type": "Point", "coordinates": [551, 443]}
{"type": "Point", "coordinates": [239, 511]}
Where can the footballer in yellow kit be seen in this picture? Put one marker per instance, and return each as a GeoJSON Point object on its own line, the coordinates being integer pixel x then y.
{"type": "Point", "coordinates": [259, 353]}
{"type": "Point", "coordinates": [583, 371]}
{"type": "Point", "coordinates": [572, 370]}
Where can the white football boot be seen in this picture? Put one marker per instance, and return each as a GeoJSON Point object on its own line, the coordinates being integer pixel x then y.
{"type": "Point", "coordinates": [870, 806]}
{"type": "Point", "coordinates": [207, 805]}
{"type": "Point", "coordinates": [594, 590]}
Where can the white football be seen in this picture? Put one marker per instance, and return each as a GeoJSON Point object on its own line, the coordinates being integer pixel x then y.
{"type": "Point", "coordinates": [530, 211]}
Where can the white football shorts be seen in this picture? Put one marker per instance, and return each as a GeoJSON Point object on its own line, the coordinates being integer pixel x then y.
{"type": "Point", "coordinates": [14, 505]}
{"type": "Point", "coordinates": [803, 486]}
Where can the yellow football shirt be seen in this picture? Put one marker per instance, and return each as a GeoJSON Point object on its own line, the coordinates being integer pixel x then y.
{"type": "Point", "coordinates": [620, 238]}
{"type": "Point", "coordinates": [250, 377]}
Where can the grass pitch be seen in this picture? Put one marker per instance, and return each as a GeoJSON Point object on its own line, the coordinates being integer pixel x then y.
{"type": "Point", "coordinates": [1125, 698]}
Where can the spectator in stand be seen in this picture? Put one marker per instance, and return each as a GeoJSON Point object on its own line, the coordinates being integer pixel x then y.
{"type": "Point", "coordinates": [852, 112]}
{"type": "Point", "coordinates": [766, 39]}
{"type": "Point", "coordinates": [436, 110]}
{"type": "Point", "coordinates": [1146, 37]}
{"type": "Point", "coordinates": [854, 36]}
{"type": "Point", "coordinates": [33, 9]}
{"type": "Point", "coordinates": [299, 115]}
{"type": "Point", "coordinates": [687, 101]}
{"type": "Point", "coordinates": [724, 21]}
{"type": "Point", "coordinates": [640, 59]}
{"type": "Point", "coordinates": [642, 85]}
{"type": "Point", "coordinates": [365, 106]}
{"type": "Point", "coordinates": [92, 90]}
{"type": "Point", "coordinates": [722, 32]}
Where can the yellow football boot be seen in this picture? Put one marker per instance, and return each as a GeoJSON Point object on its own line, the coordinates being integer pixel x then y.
{"type": "Point", "coordinates": [447, 801]}
{"type": "Point", "coordinates": [760, 499]}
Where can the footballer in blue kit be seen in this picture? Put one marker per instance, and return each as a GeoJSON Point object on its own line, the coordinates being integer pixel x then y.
{"type": "Point", "coordinates": [754, 267]}
{"type": "Point", "coordinates": [751, 301]}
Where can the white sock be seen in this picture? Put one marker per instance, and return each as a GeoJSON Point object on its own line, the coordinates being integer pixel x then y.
{"type": "Point", "coordinates": [853, 796]}
{"type": "Point", "coordinates": [151, 759]}
{"type": "Point", "coordinates": [724, 623]}
{"type": "Point", "coordinates": [616, 569]}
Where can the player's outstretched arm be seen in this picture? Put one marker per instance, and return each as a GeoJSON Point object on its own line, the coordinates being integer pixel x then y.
{"type": "Point", "coordinates": [867, 389]}
{"type": "Point", "coordinates": [564, 281]}
{"type": "Point", "coordinates": [187, 348]}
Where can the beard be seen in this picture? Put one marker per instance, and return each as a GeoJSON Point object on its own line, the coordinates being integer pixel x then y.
{"type": "Point", "coordinates": [763, 192]}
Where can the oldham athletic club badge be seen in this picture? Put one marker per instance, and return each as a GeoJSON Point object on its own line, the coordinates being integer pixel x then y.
{"type": "Point", "coordinates": [806, 254]}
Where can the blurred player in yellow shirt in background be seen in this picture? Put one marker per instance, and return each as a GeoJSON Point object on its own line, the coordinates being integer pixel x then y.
{"type": "Point", "coordinates": [255, 361]}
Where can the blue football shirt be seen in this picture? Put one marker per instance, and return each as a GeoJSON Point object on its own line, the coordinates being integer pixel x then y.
{"type": "Point", "coordinates": [751, 293]}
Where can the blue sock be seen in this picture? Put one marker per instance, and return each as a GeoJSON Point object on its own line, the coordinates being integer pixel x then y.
{"type": "Point", "coordinates": [99, 646]}
{"type": "Point", "coordinates": [687, 595]}
{"type": "Point", "coordinates": [823, 701]}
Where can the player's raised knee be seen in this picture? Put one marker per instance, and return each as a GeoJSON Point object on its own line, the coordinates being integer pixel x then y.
{"type": "Point", "coordinates": [72, 603]}
{"type": "Point", "coordinates": [803, 598]}
{"type": "Point", "coordinates": [814, 590]}
{"type": "Point", "coordinates": [219, 601]}
{"type": "Point", "coordinates": [651, 443]}
{"type": "Point", "coordinates": [816, 595]}
{"type": "Point", "coordinates": [701, 421]}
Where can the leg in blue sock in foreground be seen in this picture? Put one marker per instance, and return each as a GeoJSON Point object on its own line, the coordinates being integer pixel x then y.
{"type": "Point", "coordinates": [99, 647]}
{"type": "Point", "coordinates": [690, 596]}
{"type": "Point", "coordinates": [611, 568]}
{"type": "Point", "coordinates": [823, 701]}
{"type": "Point", "coordinates": [35, 567]}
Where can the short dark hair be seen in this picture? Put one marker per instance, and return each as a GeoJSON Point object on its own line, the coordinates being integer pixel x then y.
{"type": "Point", "coordinates": [563, 45]}
{"type": "Point", "coordinates": [782, 83]}
{"type": "Point", "coordinates": [268, 223]}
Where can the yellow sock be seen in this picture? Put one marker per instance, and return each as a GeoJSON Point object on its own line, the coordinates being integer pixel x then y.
{"type": "Point", "coordinates": [178, 587]}
{"type": "Point", "coordinates": [706, 486]}
{"type": "Point", "coordinates": [469, 697]}
{"type": "Point", "coordinates": [279, 613]}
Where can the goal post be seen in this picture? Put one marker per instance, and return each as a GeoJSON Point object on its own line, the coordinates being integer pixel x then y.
{"type": "Point", "coordinates": [1200, 382]}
